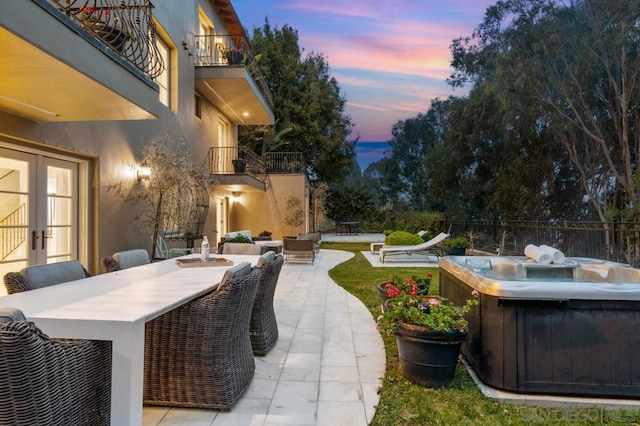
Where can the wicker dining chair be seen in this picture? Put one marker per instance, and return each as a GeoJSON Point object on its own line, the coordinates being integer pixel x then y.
{"type": "Point", "coordinates": [125, 259]}
{"type": "Point", "coordinates": [39, 276]}
{"type": "Point", "coordinates": [51, 382]}
{"type": "Point", "coordinates": [199, 355]}
{"type": "Point", "coordinates": [263, 328]}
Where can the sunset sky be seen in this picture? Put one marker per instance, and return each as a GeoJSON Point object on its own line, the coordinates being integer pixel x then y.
{"type": "Point", "coordinates": [390, 57]}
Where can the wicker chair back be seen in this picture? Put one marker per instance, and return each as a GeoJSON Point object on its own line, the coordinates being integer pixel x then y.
{"type": "Point", "coordinates": [50, 382]}
{"type": "Point", "coordinates": [199, 355]}
{"type": "Point", "coordinates": [264, 327]}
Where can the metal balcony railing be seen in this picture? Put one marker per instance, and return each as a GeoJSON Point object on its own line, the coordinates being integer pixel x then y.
{"type": "Point", "coordinates": [223, 161]}
{"type": "Point", "coordinates": [230, 50]}
{"type": "Point", "coordinates": [285, 162]}
{"type": "Point", "coordinates": [123, 25]}
{"type": "Point", "coordinates": [235, 160]}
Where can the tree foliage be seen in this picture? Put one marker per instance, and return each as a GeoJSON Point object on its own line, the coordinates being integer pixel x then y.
{"type": "Point", "coordinates": [170, 196]}
{"type": "Point", "coordinates": [309, 108]}
{"type": "Point", "coordinates": [549, 128]}
{"type": "Point", "coordinates": [579, 65]}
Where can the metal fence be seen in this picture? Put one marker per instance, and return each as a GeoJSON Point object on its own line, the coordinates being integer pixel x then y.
{"type": "Point", "coordinates": [616, 241]}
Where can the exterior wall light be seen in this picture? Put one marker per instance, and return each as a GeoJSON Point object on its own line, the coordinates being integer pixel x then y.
{"type": "Point", "coordinates": [143, 172]}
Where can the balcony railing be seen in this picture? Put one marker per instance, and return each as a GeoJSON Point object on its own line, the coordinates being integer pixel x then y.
{"type": "Point", "coordinates": [230, 50]}
{"type": "Point", "coordinates": [221, 161]}
{"type": "Point", "coordinates": [285, 162]}
{"type": "Point", "coordinates": [124, 25]}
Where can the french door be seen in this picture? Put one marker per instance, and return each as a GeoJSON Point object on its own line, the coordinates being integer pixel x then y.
{"type": "Point", "coordinates": [38, 210]}
{"type": "Point", "coordinates": [222, 212]}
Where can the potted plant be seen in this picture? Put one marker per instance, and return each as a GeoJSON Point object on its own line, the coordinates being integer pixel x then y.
{"type": "Point", "coordinates": [234, 56]}
{"type": "Point", "coordinates": [263, 236]}
{"type": "Point", "coordinates": [176, 190]}
{"type": "Point", "coordinates": [99, 21]}
{"type": "Point", "coordinates": [295, 214]}
{"type": "Point", "coordinates": [239, 165]}
{"type": "Point", "coordinates": [429, 333]}
{"type": "Point", "coordinates": [456, 246]}
{"type": "Point", "coordinates": [395, 286]}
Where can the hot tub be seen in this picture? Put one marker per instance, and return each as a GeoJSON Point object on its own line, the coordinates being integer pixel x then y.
{"type": "Point", "coordinates": [570, 328]}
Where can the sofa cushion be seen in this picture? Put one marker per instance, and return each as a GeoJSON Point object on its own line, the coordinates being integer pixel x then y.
{"type": "Point", "coordinates": [54, 273]}
{"type": "Point", "coordinates": [242, 248]}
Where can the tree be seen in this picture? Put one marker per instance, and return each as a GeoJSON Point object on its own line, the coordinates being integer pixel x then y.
{"type": "Point", "coordinates": [580, 65]}
{"type": "Point", "coordinates": [309, 109]}
{"type": "Point", "coordinates": [174, 194]}
{"type": "Point", "coordinates": [295, 212]}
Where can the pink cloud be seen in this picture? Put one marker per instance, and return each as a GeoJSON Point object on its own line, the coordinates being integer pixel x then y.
{"type": "Point", "coordinates": [391, 58]}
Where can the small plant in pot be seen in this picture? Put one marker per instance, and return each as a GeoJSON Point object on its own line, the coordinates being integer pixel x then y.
{"type": "Point", "coordinates": [429, 333]}
{"type": "Point", "coordinates": [456, 246]}
{"type": "Point", "coordinates": [395, 286]}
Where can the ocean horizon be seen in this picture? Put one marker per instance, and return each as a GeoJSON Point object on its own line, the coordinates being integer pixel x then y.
{"type": "Point", "coordinates": [370, 152]}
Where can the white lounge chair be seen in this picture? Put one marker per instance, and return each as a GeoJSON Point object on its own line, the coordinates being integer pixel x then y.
{"type": "Point", "coordinates": [426, 248]}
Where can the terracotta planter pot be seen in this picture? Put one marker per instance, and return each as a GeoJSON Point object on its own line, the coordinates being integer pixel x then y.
{"type": "Point", "coordinates": [428, 358]}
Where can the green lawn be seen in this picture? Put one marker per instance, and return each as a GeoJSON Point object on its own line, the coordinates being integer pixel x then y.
{"type": "Point", "coordinates": [460, 402]}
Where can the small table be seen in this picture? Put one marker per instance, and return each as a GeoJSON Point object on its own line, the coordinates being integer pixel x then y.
{"type": "Point", "coordinates": [375, 247]}
{"type": "Point", "coordinates": [351, 227]}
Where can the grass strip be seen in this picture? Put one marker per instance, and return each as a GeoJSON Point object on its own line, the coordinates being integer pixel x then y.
{"type": "Point", "coordinates": [460, 402]}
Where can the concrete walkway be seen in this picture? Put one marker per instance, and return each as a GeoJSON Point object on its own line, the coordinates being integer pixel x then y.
{"type": "Point", "coordinates": [325, 369]}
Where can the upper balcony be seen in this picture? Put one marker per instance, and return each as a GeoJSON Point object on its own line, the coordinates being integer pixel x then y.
{"type": "Point", "coordinates": [78, 60]}
{"type": "Point", "coordinates": [241, 169]}
{"type": "Point", "coordinates": [228, 75]}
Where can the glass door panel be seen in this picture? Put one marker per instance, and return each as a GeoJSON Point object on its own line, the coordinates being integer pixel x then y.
{"type": "Point", "coordinates": [16, 171]}
{"type": "Point", "coordinates": [58, 241]}
{"type": "Point", "coordinates": [38, 210]}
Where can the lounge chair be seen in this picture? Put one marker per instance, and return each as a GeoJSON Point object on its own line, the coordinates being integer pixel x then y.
{"type": "Point", "coordinates": [316, 237]}
{"type": "Point", "coordinates": [298, 249]}
{"type": "Point", "coordinates": [427, 248]}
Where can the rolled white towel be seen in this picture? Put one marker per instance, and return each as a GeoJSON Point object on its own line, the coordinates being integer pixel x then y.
{"type": "Point", "coordinates": [536, 253]}
{"type": "Point", "coordinates": [556, 255]}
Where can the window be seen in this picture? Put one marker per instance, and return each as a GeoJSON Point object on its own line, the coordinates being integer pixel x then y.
{"type": "Point", "coordinates": [204, 49]}
{"type": "Point", "coordinates": [164, 79]}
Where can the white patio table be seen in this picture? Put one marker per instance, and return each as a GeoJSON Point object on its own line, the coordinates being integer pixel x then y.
{"type": "Point", "coordinates": [116, 306]}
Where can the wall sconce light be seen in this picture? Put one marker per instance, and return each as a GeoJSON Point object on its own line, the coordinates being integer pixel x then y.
{"type": "Point", "coordinates": [235, 197]}
{"type": "Point", "coordinates": [185, 46]}
{"type": "Point", "coordinates": [143, 172]}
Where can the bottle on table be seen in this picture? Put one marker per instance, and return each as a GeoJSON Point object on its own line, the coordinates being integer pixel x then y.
{"type": "Point", "coordinates": [204, 249]}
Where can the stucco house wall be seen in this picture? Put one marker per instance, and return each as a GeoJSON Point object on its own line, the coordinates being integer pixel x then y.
{"type": "Point", "coordinates": [260, 211]}
{"type": "Point", "coordinates": [110, 150]}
